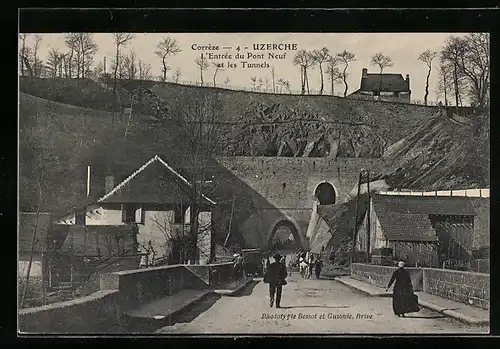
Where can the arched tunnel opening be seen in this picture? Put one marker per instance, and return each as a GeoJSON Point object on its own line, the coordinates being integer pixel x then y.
{"type": "Point", "coordinates": [284, 237]}
{"type": "Point", "coordinates": [325, 193]}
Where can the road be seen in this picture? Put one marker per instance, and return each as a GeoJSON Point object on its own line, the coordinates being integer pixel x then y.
{"type": "Point", "coordinates": [310, 306]}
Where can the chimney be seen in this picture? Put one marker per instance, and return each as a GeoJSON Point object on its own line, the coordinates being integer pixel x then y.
{"type": "Point", "coordinates": [408, 80]}
{"type": "Point", "coordinates": [109, 183]}
{"type": "Point", "coordinates": [364, 73]}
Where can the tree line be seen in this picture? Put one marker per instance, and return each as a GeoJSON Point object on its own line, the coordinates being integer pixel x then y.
{"type": "Point", "coordinates": [463, 67]}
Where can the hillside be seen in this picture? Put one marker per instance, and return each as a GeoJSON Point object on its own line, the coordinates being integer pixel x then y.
{"type": "Point", "coordinates": [441, 154]}
{"type": "Point", "coordinates": [352, 128]}
{"type": "Point", "coordinates": [423, 150]}
{"type": "Point", "coordinates": [280, 125]}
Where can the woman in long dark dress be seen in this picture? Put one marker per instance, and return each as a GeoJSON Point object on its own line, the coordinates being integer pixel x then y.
{"type": "Point", "coordinates": [402, 294]}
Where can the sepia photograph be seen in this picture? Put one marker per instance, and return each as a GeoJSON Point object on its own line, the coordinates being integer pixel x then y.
{"type": "Point", "coordinates": [176, 183]}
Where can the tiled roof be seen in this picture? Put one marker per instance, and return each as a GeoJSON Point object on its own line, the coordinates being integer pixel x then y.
{"type": "Point", "coordinates": [27, 223]}
{"type": "Point", "coordinates": [429, 205]}
{"type": "Point", "coordinates": [390, 83]}
{"type": "Point", "coordinates": [407, 217]}
{"type": "Point", "coordinates": [405, 227]}
{"type": "Point", "coordinates": [154, 185]}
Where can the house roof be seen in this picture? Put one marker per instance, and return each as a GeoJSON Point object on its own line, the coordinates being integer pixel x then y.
{"type": "Point", "coordinates": [27, 224]}
{"type": "Point", "coordinates": [156, 159]}
{"type": "Point", "coordinates": [429, 205]}
{"type": "Point", "coordinates": [406, 218]}
{"type": "Point", "coordinates": [390, 83]}
{"type": "Point", "coordinates": [134, 188]}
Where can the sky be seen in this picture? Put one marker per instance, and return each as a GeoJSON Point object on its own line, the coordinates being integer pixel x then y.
{"type": "Point", "coordinates": [403, 48]}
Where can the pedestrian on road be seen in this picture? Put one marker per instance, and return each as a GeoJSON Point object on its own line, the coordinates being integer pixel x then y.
{"type": "Point", "coordinates": [403, 300]}
{"type": "Point", "coordinates": [317, 267]}
{"type": "Point", "coordinates": [310, 266]}
{"type": "Point", "coordinates": [275, 277]}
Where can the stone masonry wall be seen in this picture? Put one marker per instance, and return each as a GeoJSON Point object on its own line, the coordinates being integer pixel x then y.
{"type": "Point", "coordinates": [466, 287]}
{"type": "Point", "coordinates": [381, 275]}
{"type": "Point", "coordinates": [96, 313]}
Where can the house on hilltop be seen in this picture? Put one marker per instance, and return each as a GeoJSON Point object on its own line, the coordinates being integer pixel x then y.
{"type": "Point", "coordinates": [384, 87]}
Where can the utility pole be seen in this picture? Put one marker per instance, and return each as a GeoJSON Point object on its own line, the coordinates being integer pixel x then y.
{"type": "Point", "coordinates": [354, 234]}
{"type": "Point", "coordinates": [230, 220]}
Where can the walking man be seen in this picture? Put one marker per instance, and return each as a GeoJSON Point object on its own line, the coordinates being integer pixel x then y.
{"type": "Point", "coordinates": [275, 277]}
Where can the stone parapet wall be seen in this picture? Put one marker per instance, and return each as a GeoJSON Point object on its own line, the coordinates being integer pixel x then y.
{"type": "Point", "coordinates": [465, 287]}
{"type": "Point", "coordinates": [96, 313]}
{"type": "Point", "coordinates": [380, 276]}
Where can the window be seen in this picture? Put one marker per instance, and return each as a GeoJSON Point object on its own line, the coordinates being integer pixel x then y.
{"type": "Point", "coordinates": [80, 218]}
{"type": "Point", "coordinates": [178, 214]}
{"type": "Point", "coordinates": [128, 213]}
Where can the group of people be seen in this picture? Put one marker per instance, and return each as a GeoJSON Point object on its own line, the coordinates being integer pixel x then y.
{"type": "Point", "coordinates": [307, 263]}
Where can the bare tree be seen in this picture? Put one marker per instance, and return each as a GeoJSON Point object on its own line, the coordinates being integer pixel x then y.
{"type": "Point", "coordinates": [266, 83]}
{"type": "Point", "coordinates": [286, 84]}
{"type": "Point", "coordinates": [445, 82]}
{"type": "Point", "coordinates": [226, 82]}
{"type": "Point", "coordinates": [200, 138]}
{"type": "Point", "coordinates": [346, 57]}
{"type": "Point", "coordinates": [165, 48]}
{"type": "Point", "coordinates": [305, 60]}
{"type": "Point", "coordinates": [203, 64]}
{"type": "Point", "coordinates": [36, 61]}
{"type": "Point", "coordinates": [86, 47]}
{"type": "Point", "coordinates": [281, 84]}
{"type": "Point", "coordinates": [71, 43]}
{"type": "Point", "coordinates": [120, 40]}
{"type": "Point", "coordinates": [451, 56]}
{"type": "Point", "coordinates": [469, 57]}
{"type": "Point", "coordinates": [333, 72]}
{"type": "Point", "coordinates": [427, 57]}
{"type": "Point", "coordinates": [130, 65]}
{"type": "Point", "coordinates": [217, 67]}
{"type": "Point", "coordinates": [22, 54]}
{"type": "Point", "coordinates": [254, 82]}
{"type": "Point", "coordinates": [321, 56]}
{"type": "Point", "coordinates": [273, 77]}
{"type": "Point", "coordinates": [144, 71]}
{"type": "Point", "coordinates": [177, 75]}
{"type": "Point", "coordinates": [259, 83]}
{"type": "Point", "coordinates": [381, 61]}
{"type": "Point", "coordinates": [53, 62]}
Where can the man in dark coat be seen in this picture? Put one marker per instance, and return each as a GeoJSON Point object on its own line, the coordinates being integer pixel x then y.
{"type": "Point", "coordinates": [402, 294]}
{"type": "Point", "coordinates": [275, 276]}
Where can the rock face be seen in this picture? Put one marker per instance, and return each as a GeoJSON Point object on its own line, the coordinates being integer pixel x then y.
{"type": "Point", "coordinates": [256, 124]}
{"type": "Point", "coordinates": [441, 155]}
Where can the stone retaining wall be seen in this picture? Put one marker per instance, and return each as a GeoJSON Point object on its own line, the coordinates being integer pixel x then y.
{"type": "Point", "coordinates": [465, 287]}
{"type": "Point", "coordinates": [120, 291]}
{"type": "Point", "coordinates": [97, 313]}
{"type": "Point", "coordinates": [380, 276]}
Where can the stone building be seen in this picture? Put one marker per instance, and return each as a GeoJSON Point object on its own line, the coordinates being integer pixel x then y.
{"type": "Point", "coordinates": [383, 87]}
{"type": "Point", "coordinates": [430, 230]}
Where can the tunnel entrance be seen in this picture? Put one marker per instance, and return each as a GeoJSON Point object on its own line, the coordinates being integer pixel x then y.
{"type": "Point", "coordinates": [325, 193]}
{"type": "Point", "coordinates": [284, 237]}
